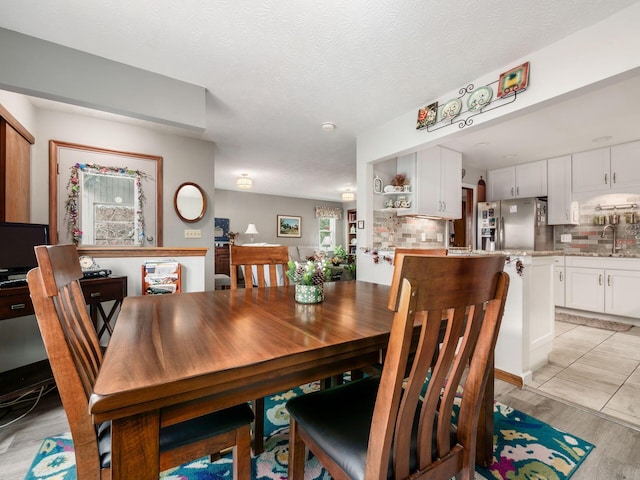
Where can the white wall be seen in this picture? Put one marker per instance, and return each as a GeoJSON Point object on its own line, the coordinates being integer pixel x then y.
{"type": "Point", "coordinates": [243, 208]}
{"type": "Point", "coordinates": [184, 160]}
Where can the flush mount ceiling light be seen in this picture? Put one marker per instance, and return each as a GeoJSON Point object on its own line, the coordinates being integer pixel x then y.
{"type": "Point", "coordinates": [605, 138]}
{"type": "Point", "coordinates": [244, 182]}
{"type": "Point", "coordinates": [328, 126]}
{"type": "Point", "coordinates": [348, 195]}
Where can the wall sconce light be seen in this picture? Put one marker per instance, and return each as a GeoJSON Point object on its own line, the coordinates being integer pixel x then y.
{"type": "Point", "coordinates": [348, 195]}
{"type": "Point", "coordinates": [252, 230]}
{"type": "Point", "coordinates": [244, 182]}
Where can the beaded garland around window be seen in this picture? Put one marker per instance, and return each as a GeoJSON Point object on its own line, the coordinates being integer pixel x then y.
{"type": "Point", "coordinates": [73, 187]}
{"type": "Point", "coordinates": [329, 212]}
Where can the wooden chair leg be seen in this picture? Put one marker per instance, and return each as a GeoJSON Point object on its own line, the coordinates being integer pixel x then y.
{"type": "Point", "coordinates": [297, 452]}
{"type": "Point", "coordinates": [242, 454]}
{"type": "Point", "coordinates": [258, 426]}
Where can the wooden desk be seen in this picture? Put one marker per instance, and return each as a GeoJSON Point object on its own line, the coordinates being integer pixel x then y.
{"type": "Point", "coordinates": [204, 351]}
{"type": "Point", "coordinates": [16, 302]}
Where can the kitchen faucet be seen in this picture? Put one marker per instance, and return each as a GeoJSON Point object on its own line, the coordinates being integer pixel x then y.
{"type": "Point", "coordinates": [613, 230]}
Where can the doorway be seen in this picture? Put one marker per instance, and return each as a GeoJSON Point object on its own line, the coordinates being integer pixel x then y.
{"type": "Point", "coordinates": [463, 231]}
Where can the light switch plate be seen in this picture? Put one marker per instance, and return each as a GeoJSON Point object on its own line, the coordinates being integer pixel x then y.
{"type": "Point", "coordinates": [192, 233]}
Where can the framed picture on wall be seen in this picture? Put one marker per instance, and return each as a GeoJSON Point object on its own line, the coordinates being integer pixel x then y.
{"type": "Point", "coordinates": [289, 226]}
{"type": "Point", "coordinates": [221, 226]}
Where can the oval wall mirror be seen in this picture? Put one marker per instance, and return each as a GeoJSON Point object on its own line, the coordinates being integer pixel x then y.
{"type": "Point", "coordinates": [190, 202]}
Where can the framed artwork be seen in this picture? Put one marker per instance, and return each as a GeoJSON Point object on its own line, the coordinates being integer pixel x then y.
{"type": "Point", "coordinates": [289, 226]}
{"type": "Point", "coordinates": [221, 229]}
{"type": "Point", "coordinates": [513, 80]}
{"type": "Point", "coordinates": [427, 116]}
{"type": "Point", "coordinates": [360, 224]}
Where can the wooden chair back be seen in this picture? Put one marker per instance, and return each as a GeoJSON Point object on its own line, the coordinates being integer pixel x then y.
{"type": "Point", "coordinates": [71, 344]}
{"type": "Point", "coordinates": [75, 357]}
{"type": "Point", "coordinates": [398, 256]}
{"type": "Point", "coordinates": [467, 294]}
{"type": "Point", "coordinates": [257, 259]}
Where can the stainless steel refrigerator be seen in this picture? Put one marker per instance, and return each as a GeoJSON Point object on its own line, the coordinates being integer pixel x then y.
{"type": "Point", "coordinates": [519, 224]}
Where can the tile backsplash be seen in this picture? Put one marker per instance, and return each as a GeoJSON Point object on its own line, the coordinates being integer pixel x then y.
{"type": "Point", "coordinates": [390, 230]}
{"type": "Point", "coordinates": [587, 236]}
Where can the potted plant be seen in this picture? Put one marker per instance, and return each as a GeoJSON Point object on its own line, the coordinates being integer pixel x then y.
{"type": "Point", "coordinates": [308, 278]}
{"type": "Point", "coordinates": [339, 256]}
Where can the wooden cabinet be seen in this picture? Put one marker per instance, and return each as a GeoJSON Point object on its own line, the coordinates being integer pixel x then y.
{"type": "Point", "coordinates": [605, 285]}
{"type": "Point", "coordinates": [222, 260]}
{"type": "Point", "coordinates": [352, 233]}
{"type": "Point", "coordinates": [520, 181]}
{"type": "Point", "coordinates": [436, 190]}
{"type": "Point", "coordinates": [606, 169]}
{"type": "Point", "coordinates": [15, 169]}
{"type": "Point", "coordinates": [561, 210]}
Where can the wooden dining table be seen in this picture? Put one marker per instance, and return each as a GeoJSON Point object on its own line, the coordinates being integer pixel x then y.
{"type": "Point", "coordinates": [174, 357]}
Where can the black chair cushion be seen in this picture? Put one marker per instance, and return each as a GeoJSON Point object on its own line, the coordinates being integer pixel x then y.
{"type": "Point", "coordinates": [186, 432]}
{"type": "Point", "coordinates": [339, 421]}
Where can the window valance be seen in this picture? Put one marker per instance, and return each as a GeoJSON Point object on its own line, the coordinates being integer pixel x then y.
{"type": "Point", "coordinates": [329, 212]}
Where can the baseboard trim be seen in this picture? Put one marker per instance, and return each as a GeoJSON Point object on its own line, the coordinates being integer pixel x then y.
{"type": "Point", "coordinates": [508, 377]}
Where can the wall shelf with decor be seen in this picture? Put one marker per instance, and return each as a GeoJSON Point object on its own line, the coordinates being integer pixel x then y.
{"type": "Point", "coordinates": [352, 233]}
{"type": "Point", "coordinates": [476, 100]}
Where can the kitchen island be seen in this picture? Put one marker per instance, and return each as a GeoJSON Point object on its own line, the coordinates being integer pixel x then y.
{"type": "Point", "coordinates": [527, 330]}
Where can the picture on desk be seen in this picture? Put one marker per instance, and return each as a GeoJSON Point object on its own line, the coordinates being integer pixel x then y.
{"type": "Point", "coordinates": [221, 229]}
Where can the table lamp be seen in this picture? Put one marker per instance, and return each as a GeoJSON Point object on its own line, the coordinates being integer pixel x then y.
{"type": "Point", "coordinates": [326, 242]}
{"type": "Point", "coordinates": [251, 230]}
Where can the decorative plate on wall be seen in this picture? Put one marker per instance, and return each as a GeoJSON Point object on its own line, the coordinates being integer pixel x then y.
{"type": "Point", "coordinates": [479, 98]}
{"type": "Point", "coordinates": [451, 109]}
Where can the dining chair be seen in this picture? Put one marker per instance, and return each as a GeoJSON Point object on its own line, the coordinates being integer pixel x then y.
{"type": "Point", "coordinates": [251, 262]}
{"type": "Point", "coordinates": [398, 256]}
{"type": "Point", "coordinates": [75, 357]}
{"type": "Point", "coordinates": [389, 427]}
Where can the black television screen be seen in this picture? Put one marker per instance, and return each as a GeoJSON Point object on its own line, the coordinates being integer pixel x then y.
{"type": "Point", "coordinates": [17, 240]}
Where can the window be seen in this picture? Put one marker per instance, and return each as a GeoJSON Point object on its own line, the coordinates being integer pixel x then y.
{"type": "Point", "coordinates": [327, 228]}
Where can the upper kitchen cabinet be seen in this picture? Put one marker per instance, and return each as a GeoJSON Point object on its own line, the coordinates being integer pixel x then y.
{"type": "Point", "coordinates": [560, 208]}
{"type": "Point", "coordinates": [520, 181]}
{"type": "Point", "coordinates": [606, 169]}
{"type": "Point", "coordinates": [436, 190]}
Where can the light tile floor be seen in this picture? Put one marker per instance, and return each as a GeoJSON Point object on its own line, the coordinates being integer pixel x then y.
{"type": "Point", "coordinates": [594, 368]}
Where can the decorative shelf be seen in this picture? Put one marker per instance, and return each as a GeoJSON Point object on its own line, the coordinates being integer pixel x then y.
{"type": "Point", "coordinates": [465, 121]}
{"type": "Point", "coordinates": [397, 193]}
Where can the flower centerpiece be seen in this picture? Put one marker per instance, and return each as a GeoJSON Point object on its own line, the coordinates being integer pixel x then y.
{"type": "Point", "coordinates": [308, 278]}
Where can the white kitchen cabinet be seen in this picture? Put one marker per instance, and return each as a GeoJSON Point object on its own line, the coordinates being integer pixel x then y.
{"type": "Point", "coordinates": [606, 169]}
{"type": "Point", "coordinates": [624, 165]}
{"type": "Point", "coordinates": [436, 190]}
{"type": "Point", "coordinates": [520, 181]}
{"type": "Point", "coordinates": [558, 282]}
{"type": "Point", "coordinates": [561, 210]}
{"type": "Point", "coordinates": [603, 284]}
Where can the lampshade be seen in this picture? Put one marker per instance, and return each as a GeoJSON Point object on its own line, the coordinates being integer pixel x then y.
{"type": "Point", "coordinates": [252, 230]}
{"type": "Point", "coordinates": [348, 195]}
{"type": "Point", "coordinates": [326, 241]}
{"type": "Point", "coordinates": [244, 182]}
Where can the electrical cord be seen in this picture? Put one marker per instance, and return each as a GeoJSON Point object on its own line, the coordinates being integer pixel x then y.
{"type": "Point", "coordinates": [21, 399]}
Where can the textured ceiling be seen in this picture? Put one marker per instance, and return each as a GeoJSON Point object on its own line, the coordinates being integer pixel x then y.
{"type": "Point", "coordinates": [275, 70]}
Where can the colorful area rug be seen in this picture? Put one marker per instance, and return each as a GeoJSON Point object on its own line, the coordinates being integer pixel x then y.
{"type": "Point", "coordinates": [524, 448]}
